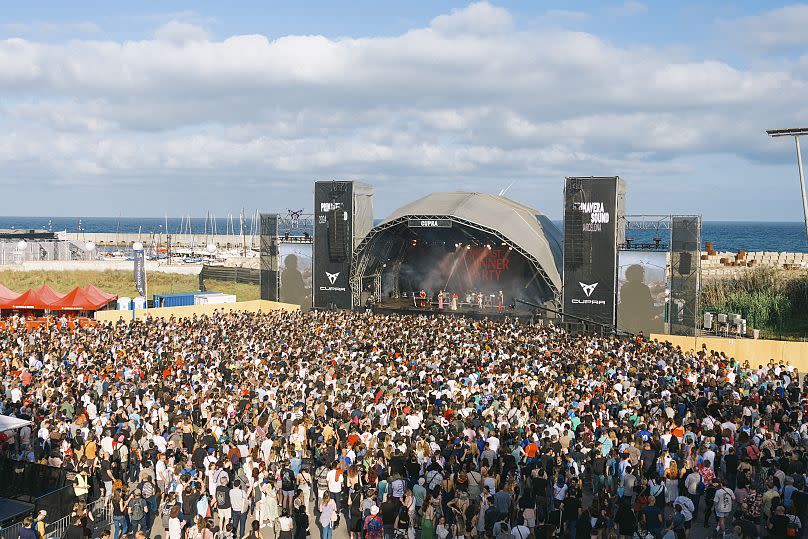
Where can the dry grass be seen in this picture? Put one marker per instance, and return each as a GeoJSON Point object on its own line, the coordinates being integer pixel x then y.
{"type": "Point", "coordinates": [121, 282]}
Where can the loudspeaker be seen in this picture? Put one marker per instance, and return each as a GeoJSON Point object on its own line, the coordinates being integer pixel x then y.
{"type": "Point", "coordinates": [338, 234]}
{"type": "Point", "coordinates": [685, 263]}
{"type": "Point", "coordinates": [343, 213]}
{"type": "Point", "coordinates": [268, 256]}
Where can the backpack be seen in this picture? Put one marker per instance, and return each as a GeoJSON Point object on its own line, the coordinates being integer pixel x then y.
{"type": "Point", "coordinates": [373, 527]}
{"type": "Point", "coordinates": [792, 528]}
{"type": "Point", "coordinates": [222, 498]}
{"type": "Point", "coordinates": [752, 451]}
{"type": "Point", "coordinates": [288, 480]}
{"type": "Point", "coordinates": [137, 509]}
{"type": "Point", "coordinates": [322, 479]}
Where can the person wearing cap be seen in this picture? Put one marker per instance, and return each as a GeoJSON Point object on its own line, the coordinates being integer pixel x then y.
{"type": "Point", "coordinates": [40, 524]}
{"type": "Point", "coordinates": [373, 526]}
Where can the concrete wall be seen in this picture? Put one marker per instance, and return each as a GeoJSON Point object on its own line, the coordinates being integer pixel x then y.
{"type": "Point", "coordinates": [103, 265]}
{"type": "Point", "coordinates": [191, 310]}
{"type": "Point", "coordinates": [177, 240]}
{"type": "Point", "coordinates": [755, 351]}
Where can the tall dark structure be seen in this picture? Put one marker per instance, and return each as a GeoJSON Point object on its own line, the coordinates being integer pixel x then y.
{"type": "Point", "coordinates": [343, 215]}
{"type": "Point", "coordinates": [593, 211]}
{"type": "Point", "coordinates": [268, 256]}
{"type": "Point", "coordinates": [685, 309]}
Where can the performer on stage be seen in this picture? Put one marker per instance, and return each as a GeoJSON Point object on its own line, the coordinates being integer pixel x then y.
{"type": "Point", "coordinates": [500, 302]}
{"type": "Point", "coordinates": [422, 295]}
{"type": "Point", "coordinates": [454, 301]}
{"type": "Point", "coordinates": [480, 300]}
{"type": "Point", "coordinates": [440, 300]}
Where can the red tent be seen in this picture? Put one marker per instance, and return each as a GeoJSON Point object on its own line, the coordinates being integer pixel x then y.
{"type": "Point", "coordinates": [99, 293]}
{"type": "Point", "coordinates": [27, 300]}
{"type": "Point", "coordinates": [48, 295]}
{"type": "Point", "coordinates": [6, 294]}
{"type": "Point", "coordinates": [79, 299]}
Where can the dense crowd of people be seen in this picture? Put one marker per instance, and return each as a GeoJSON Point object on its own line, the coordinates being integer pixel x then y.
{"type": "Point", "coordinates": [403, 427]}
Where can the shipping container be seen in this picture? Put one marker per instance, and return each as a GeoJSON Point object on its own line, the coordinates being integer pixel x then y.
{"type": "Point", "coordinates": [176, 300]}
{"type": "Point", "coordinates": [210, 299]}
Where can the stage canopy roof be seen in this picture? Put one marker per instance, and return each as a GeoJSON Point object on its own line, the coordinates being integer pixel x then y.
{"type": "Point", "coordinates": [524, 228]}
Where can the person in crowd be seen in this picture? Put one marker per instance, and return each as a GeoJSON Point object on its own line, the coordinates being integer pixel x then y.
{"type": "Point", "coordinates": [444, 424]}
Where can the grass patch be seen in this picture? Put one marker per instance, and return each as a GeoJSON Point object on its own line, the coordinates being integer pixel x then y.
{"type": "Point", "coordinates": [121, 282]}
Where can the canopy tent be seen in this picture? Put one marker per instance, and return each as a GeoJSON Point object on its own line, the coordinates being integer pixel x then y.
{"type": "Point", "coordinates": [6, 294]}
{"type": "Point", "coordinates": [80, 299]}
{"type": "Point", "coordinates": [8, 422]}
{"type": "Point", "coordinates": [48, 295]}
{"type": "Point", "coordinates": [28, 300]}
{"type": "Point", "coordinates": [100, 293]}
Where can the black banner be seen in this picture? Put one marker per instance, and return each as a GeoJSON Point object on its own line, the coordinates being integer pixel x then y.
{"type": "Point", "coordinates": [590, 248]}
{"type": "Point", "coordinates": [140, 271]}
{"type": "Point", "coordinates": [333, 232]}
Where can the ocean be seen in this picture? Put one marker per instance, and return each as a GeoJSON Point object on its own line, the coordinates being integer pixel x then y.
{"type": "Point", "coordinates": [725, 235]}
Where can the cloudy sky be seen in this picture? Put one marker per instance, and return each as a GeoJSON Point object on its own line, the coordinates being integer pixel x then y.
{"type": "Point", "coordinates": [135, 108]}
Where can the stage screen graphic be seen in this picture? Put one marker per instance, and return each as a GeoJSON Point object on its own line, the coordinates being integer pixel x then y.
{"type": "Point", "coordinates": [592, 211]}
{"type": "Point", "coordinates": [465, 270]}
{"type": "Point", "coordinates": [296, 274]}
{"type": "Point", "coordinates": [642, 281]}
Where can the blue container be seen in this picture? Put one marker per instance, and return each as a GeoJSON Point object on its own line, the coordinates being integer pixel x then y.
{"type": "Point", "coordinates": [176, 300]}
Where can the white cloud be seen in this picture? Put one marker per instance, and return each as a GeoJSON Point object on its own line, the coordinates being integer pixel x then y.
{"type": "Point", "coordinates": [784, 27]}
{"type": "Point", "coordinates": [179, 32]}
{"type": "Point", "coordinates": [464, 101]}
{"type": "Point", "coordinates": [629, 8]}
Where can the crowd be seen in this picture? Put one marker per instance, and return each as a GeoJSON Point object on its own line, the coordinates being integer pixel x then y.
{"type": "Point", "coordinates": [403, 427]}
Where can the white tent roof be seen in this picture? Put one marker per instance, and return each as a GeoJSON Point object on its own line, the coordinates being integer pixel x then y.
{"type": "Point", "coordinates": [526, 227]}
{"type": "Point", "coordinates": [10, 423]}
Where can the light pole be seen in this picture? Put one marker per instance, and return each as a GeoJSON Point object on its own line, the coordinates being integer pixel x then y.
{"type": "Point", "coordinates": [796, 133]}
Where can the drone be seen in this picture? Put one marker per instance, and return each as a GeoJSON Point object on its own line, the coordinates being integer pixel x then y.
{"type": "Point", "coordinates": [295, 215]}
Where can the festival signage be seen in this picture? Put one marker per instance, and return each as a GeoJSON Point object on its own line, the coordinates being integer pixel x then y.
{"type": "Point", "coordinates": [330, 273]}
{"type": "Point", "coordinates": [592, 211]}
{"type": "Point", "coordinates": [140, 271]}
{"type": "Point", "coordinates": [429, 223]}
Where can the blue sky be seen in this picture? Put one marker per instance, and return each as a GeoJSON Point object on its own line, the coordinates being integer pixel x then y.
{"type": "Point", "coordinates": [164, 107]}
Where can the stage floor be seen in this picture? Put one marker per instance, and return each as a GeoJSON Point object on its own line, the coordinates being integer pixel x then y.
{"type": "Point", "coordinates": [405, 306]}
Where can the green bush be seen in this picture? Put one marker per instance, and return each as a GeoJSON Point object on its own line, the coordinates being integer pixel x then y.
{"type": "Point", "coordinates": [772, 300]}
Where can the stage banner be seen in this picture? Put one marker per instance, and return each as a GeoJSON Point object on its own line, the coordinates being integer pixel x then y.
{"type": "Point", "coordinates": [641, 294]}
{"type": "Point", "coordinates": [140, 271]}
{"type": "Point", "coordinates": [593, 207]}
{"type": "Point", "coordinates": [333, 245]}
{"type": "Point", "coordinates": [296, 274]}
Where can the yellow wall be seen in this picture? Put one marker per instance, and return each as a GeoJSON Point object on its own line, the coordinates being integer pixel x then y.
{"type": "Point", "coordinates": [755, 351]}
{"type": "Point", "coordinates": [190, 310]}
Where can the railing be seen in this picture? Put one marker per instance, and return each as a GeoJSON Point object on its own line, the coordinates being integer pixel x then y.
{"type": "Point", "coordinates": [11, 532]}
{"type": "Point", "coordinates": [231, 274]}
{"type": "Point", "coordinates": [102, 518]}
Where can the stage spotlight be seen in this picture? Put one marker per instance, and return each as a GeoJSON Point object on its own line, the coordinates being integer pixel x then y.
{"type": "Point", "coordinates": [468, 247]}
{"type": "Point", "coordinates": [509, 248]}
{"type": "Point", "coordinates": [488, 246]}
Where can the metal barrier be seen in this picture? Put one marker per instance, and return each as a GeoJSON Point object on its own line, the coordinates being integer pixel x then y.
{"type": "Point", "coordinates": [102, 518]}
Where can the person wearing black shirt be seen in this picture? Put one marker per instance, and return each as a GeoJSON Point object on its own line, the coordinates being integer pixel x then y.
{"type": "Point", "coordinates": [571, 509]}
{"type": "Point", "coordinates": [731, 468]}
{"type": "Point", "coordinates": [389, 512]}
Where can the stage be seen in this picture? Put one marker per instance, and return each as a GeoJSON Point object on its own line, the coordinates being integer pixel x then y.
{"type": "Point", "coordinates": [405, 306]}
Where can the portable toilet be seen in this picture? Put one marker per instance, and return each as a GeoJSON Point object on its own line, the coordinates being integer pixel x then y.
{"type": "Point", "coordinates": [139, 303]}
{"type": "Point", "coordinates": [124, 303]}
